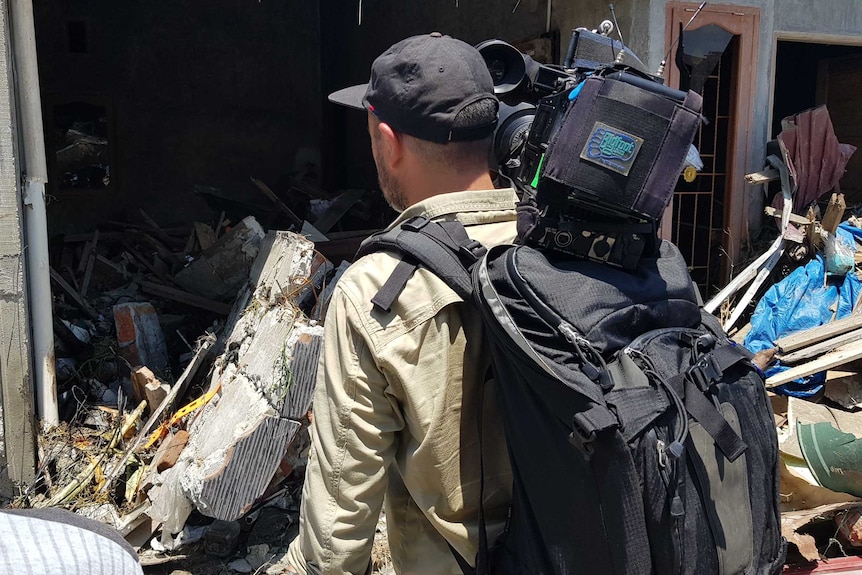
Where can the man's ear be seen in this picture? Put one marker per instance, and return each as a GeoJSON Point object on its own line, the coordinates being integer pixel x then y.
{"type": "Point", "coordinates": [393, 142]}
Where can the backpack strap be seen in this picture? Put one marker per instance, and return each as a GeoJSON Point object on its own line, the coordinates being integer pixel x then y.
{"type": "Point", "coordinates": [696, 381]}
{"type": "Point", "coordinates": [443, 248]}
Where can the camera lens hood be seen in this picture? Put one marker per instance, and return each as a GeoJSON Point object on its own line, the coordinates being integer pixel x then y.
{"type": "Point", "coordinates": [506, 64]}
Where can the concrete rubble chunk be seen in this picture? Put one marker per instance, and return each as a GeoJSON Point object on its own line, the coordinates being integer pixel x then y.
{"type": "Point", "coordinates": [220, 271]}
{"type": "Point", "coordinates": [266, 371]}
{"type": "Point", "coordinates": [140, 336]}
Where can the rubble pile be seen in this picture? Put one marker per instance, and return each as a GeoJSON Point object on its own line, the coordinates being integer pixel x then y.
{"type": "Point", "coordinates": [186, 360]}
{"type": "Point", "coordinates": [801, 300]}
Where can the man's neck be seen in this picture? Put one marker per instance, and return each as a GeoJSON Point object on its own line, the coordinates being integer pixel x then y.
{"type": "Point", "coordinates": [435, 184]}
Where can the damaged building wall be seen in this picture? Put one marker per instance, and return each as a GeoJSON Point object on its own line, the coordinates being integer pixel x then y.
{"type": "Point", "coordinates": [841, 17]}
{"type": "Point", "coordinates": [837, 22]}
{"type": "Point", "coordinates": [17, 454]}
{"type": "Point", "coordinates": [190, 93]}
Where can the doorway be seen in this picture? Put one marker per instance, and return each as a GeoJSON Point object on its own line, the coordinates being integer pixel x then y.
{"type": "Point", "coordinates": [812, 74]}
{"type": "Point", "coordinates": [717, 58]}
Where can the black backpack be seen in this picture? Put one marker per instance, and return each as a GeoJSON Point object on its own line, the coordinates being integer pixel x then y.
{"type": "Point", "coordinates": [641, 439]}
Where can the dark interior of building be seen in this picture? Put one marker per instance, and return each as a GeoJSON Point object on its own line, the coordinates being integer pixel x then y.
{"type": "Point", "coordinates": [172, 107]}
{"type": "Point", "coordinates": [808, 75]}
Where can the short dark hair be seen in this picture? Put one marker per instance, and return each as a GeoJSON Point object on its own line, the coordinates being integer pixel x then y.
{"type": "Point", "coordinates": [468, 153]}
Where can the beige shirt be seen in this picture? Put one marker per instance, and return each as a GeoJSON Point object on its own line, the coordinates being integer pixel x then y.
{"type": "Point", "coordinates": [395, 413]}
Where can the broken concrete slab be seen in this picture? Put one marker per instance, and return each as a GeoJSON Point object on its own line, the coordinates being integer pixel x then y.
{"type": "Point", "coordinates": [220, 271]}
{"type": "Point", "coordinates": [140, 336]}
{"type": "Point", "coordinates": [266, 378]}
{"type": "Point", "coordinates": [237, 445]}
{"type": "Point", "coordinates": [319, 312]}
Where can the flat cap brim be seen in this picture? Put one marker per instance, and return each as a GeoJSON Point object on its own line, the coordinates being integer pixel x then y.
{"type": "Point", "coordinates": [351, 97]}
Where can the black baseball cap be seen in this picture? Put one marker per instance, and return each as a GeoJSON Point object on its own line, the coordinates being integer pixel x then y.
{"type": "Point", "coordinates": [421, 84]}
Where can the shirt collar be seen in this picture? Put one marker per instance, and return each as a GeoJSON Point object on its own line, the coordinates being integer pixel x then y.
{"type": "Point", "coordinates": [462, 203]}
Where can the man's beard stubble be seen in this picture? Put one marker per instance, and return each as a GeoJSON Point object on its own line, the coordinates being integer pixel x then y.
{"type": "Point", "coordinates": [392, 190]}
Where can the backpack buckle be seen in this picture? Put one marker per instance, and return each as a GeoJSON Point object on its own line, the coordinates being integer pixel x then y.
{"type": "Point", "coordinates": [472, 250]}
{"type": "Point", "coordinates": [705, 372]}
{"type": "Point", "coordinates": [415, 224]}
{"type": "Point", "coordinates": [582, 439]}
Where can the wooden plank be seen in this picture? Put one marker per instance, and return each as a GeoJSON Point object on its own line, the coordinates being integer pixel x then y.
{"type": "Point", "coordinates": [136, 257]}
{"type": "Point", "coordinates": [78, 238]}
{"type": "Point", "coordinates": [834, 213]}
{"type": "Point", "coordinates": [89, 246]}
{"type": "Point", "coordinates": [794, 218]}
{"type": "Point", "coordinates": [164, 252]}
{"type": "Point", "coordinates": [177, 391]}
{"type": "Point", "coordinates": [184, 297]}
{"type": "Point", "coordinates": [762, 177]}
{"type": "Point", "coordinates": [220, 224]}
{"type": "Point", "coordinates": [275, 199]}
{"type": "Point", "coordinates": [91, 261]}
{"type": "Point", "coordinates": [76, 297]}
{"type": "Point", "coordinates": [337, 210]}
{"type": "Point", "coordinates": [206, 235]}
{"type": "Point", "coordinates": [838, 357]}
{"type": "Point", "coordinates": [156, 228]}
{"type": "Point", "coordinates": [814, 335]}
{"type": "Point", "coordinates": [737, 283]}
{"type": "Point", "coordinates": [119, 269]}
{"type": "Point", "coordinates": [749, 294]}
{"type": "Point", "coordinates": [810, 351]}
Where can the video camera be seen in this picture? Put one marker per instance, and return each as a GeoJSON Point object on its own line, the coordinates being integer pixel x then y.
{"type": "Point", "coordinates": [595, 145]}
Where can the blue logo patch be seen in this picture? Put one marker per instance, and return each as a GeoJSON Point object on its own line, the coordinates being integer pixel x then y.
{"type": "Point", "coordinates": [612, 148]}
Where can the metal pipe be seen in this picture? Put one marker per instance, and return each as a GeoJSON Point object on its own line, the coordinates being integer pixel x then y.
{"type": "Point", "coordinates": [28, 99]}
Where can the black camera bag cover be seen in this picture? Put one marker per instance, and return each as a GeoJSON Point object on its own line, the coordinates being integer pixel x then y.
{"type": "Point", "coordinates": [641, 439]}
{"type": "Point", "coordinates": [621, 145]}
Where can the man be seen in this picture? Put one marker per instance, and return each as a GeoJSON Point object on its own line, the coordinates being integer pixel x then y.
{"type": "Point", "coordinates": [396, 407]}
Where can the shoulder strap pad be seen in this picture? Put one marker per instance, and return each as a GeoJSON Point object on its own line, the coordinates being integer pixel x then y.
{"type": "Point", "coordinates": [440, 247]}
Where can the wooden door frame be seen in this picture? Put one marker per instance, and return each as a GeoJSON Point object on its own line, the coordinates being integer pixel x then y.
{"type": "Point", "coordinates": [743, 21]}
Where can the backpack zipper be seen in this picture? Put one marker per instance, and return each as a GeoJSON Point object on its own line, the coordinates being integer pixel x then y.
{"type": "Point", "coordinates": [582, 346]}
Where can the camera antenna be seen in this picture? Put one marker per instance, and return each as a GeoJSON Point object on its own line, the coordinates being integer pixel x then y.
{"type": "Point", "coordinates": [660, 72]}
{"type": "Point", "coordinates": [619, 57]}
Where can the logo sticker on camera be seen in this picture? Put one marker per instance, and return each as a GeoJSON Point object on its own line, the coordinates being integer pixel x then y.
{"type": "Point", "coordinates": [612, 148]}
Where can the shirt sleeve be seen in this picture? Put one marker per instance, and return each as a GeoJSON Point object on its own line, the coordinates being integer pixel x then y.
{"type": "Point", "coordinates": [354, 423]}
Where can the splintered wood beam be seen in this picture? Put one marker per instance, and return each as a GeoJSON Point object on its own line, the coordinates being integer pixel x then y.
{"type": "Point", "coordinates": [810, 351]}
{"type": "Point", "coordinates": [761, 277]}
{"type": "Point", "coordinates": [91, 262]}
{"type": "Point", "coordinates": [177, 390]}
{"type": "Point", "coordinates": [794, 218]}
{"type": "Point", "coordinates": [184, 297]}
{"type": "Point", "coordinates": [762, 177]}
{"type": "Point", "coordinates": [744, 277]}
{"type": "Point", "coordinates": [275, 199]}
{"type": "Point", "coordinates": [834, 213]}
{"type": "Point", "coordinates": [838, 357]}
{"type": "Point", "coordinates": [814, 335]}
{"type": "Point", "coordinates": [76, 297]}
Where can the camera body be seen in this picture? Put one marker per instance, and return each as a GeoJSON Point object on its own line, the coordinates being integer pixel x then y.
{"type": "Point", "coordinates": [534, 96]}
{"type": "Point", "coordinates": [595, 146]}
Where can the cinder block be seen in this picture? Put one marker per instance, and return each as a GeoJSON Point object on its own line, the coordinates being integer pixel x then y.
{"type": "Point", "coordinates": [140, 336]}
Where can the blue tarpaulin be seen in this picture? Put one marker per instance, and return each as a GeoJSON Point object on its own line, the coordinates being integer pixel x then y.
{"type": "Point", "coordinates": [798, 302]}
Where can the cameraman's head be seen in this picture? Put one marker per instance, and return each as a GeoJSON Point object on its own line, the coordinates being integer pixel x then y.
{"type": "Point", "coordinates": [431, 116]}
